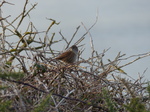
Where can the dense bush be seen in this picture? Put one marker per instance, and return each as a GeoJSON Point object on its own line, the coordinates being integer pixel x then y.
{"type": "Point", "coordinates": [31, 80]}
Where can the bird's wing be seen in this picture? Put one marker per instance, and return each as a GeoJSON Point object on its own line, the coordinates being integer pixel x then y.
{"type": "Point", "coordinates": [63, 55]}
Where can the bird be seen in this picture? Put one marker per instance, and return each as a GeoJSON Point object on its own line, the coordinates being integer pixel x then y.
{"type": "Point", "coordinates": [69, 56]}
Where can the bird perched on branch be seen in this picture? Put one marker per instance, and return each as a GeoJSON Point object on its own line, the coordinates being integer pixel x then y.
{"type": "Point", "coordinates": [70, 55]}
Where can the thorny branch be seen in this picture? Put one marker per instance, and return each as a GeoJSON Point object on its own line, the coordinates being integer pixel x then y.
{"type": "Point", "coordinates": [65, 97]}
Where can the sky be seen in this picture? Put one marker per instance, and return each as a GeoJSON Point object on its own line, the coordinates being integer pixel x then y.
{"type": "Point", "coordinates": [122, 25]}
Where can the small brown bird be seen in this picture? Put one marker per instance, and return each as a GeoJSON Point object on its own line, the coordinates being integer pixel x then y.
{"type": "Point", "coordinates": [69, 56]}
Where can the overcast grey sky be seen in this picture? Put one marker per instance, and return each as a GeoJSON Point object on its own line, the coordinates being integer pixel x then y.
{"type": "Point", "coordinates": [123, 25]}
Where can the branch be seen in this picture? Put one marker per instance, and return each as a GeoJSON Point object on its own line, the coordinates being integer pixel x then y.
{"type": "Point", "coordinates": [64, 97]}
